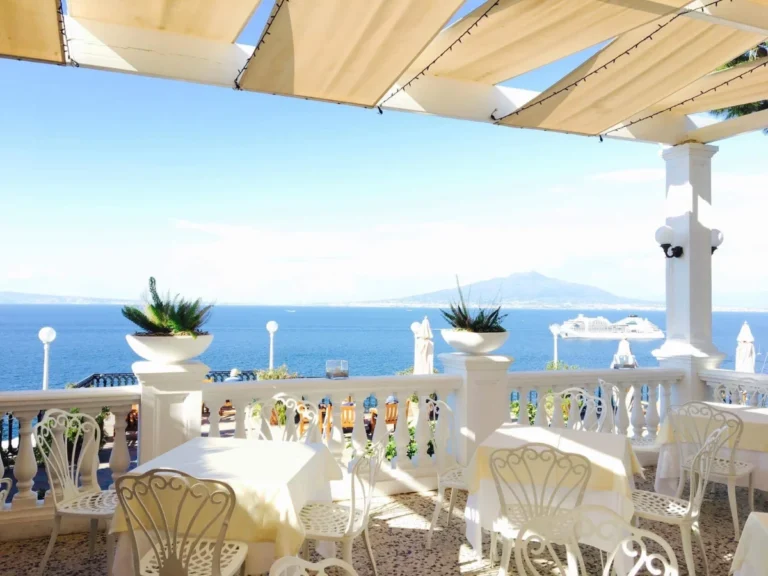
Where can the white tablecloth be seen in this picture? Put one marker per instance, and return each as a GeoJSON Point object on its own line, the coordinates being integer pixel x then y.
{"type": "Point", "coordinates": [272, 482]}
{"type": "Point", "coordinates": [610, 485]}
{"type": "Point", "coordinates": [751, 558]}
{"type": "Point", "coordinates": [753, 448]}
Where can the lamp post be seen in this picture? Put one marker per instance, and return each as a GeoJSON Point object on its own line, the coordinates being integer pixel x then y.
{"type": "Point", "coordinates": [46, 335]}
{"type": "Point", "coordinates": [272, 328]}
{"type": "Point", "coordinates": [555, 329]}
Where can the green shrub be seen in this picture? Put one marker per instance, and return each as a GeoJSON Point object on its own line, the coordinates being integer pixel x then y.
{"type": "Point", "coordinates": [459, 316]}
{"type": "Point", "coordinates": [172, 315]}
{"type": "Point", "coordinates": [279, 373]}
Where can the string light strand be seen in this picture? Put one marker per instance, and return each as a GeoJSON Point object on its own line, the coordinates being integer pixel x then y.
{"type": "Point", "coordinates": [627, 52]}
{"type": "Point", "coordinates": [65, 52]}
{"type": "Point", "coordinates": [467, 32]}
{"type": "Point", "coordinates": [687, 100]}
{"type": "Point", "coordinates": [275, 11]}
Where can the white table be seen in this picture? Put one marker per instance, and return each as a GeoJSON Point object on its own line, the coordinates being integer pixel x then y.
{"type": "Point", "coordinates": [610, 485]}
{"type": "Point", "coordinates": [753, 448]}
{"type": "Point", "coordinates": [272, 482]}
{"type": "Point", "coordinates": [751, 558]}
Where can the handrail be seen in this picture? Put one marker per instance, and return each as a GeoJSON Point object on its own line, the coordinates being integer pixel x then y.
{"type": "Point", "coordinates": [112, 379]}
{"type": "Point", "coordinates": [717, 376]}
{"type": "Point", "coordinates": [590, 377]}
{"type": "Point", "coordinates": [68, 398]}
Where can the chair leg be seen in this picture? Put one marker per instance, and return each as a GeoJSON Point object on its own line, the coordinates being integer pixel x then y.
{"type": "Point", "coordinates": [435, 514]}
{"type": "Point", "coordinates": [696, 528]}
{"type": "Point", "coordinates": [110, 551]}
{"type": "Point", "coordinates": [51, 542]}
{"type": "Point", "coordinates": [732, 502]}
{"type": "Point", "coordinates": [506, 554]}
{"type": "Point", "coordinates": [752, 491]}
{"type": "Point", "coordinates": [346, 550]}
{"type": "Point", "coordinates": [92, 536]}
{"type": "Point", "coordinates": [494, 547]}
{"type": "Point", "coordinates": [685, 536]}
{"type": "Point", "coordinates": [367, 539]}
{"type": "Point", "coordinates": [450, 507]}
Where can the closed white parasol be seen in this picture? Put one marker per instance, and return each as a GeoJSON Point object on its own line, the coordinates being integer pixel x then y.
{"type": "Point", "coordinates": [745, 350]}
{"type": "Point", "coordinates": [425, 350]}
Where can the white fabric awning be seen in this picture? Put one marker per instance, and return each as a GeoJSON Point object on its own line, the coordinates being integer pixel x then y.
{"type": "Point", "coordinates": [30, 29]}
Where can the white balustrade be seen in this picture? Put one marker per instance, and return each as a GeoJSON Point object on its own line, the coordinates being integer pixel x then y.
{"type": "Point", "coordinates": [634, 417]}
{"type": "Point", "coordinates": [737, 387]}
{"type": "Point", "coordinates": [343, 431]}
{"type": "Point", "coordinates": [25, 406]}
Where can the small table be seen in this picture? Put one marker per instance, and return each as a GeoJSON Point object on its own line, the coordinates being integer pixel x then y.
{"type": "Point", "coordinates": [753, 448]}
{"type": "Point", "coordinates": [272, 482]}
{"type": "Point", "coordinates": [610, 484]}
{"type": "Point", "coordinates": [751, 558]}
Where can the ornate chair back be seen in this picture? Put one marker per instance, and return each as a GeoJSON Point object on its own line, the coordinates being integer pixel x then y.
{"type": "Point", "coordinates": [692, 424]}
{"type": "Point", "coordinates": [442, 434]}
{"type": "Point", "coordinates": [364, 470]}
{"type": "Point", "coordinates": [302, 420]}
{"type": "Point", "coordinates": [538, 480]}
{"type": "Point", "coordinates": [589, 412]}
{"type": "Point", "coordinates": [5, 489]}
{"type": "Point", "coordinates": [67, 442]}
{"type": "Point", "coordinates": [293, 566]}
{"type": "Point", "coordinates": [701, 467]}
{"type": "Point", "coordinates": [174, 515]}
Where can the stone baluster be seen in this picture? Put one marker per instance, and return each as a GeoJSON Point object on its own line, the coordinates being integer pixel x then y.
{"type": "Point", "coordinates": [120, 458]}
{"type": "Point", "coordinates": [557, 411]}
{"type": "Point", "coordinates": [541, 408]}
{"type": "Point", "coordinates": [652, 418]}
{"type": "Point", "coordinates": [753, 400]}
{"type": "Point", "coordinates": [380, 432]}
{"type": "Point", "coordinates": [622, 416]}
{"type": "Point", "coordinates": [523, 416]}
{"type": "Point", "coordinates": [242, 416]}
{"type": "Point", "coordinates": [213, 404]}
{"type": "Point", "coordinates": [664, 399]}
{"type": "Point", "coordinates": [359, 437]}
{"type": "Point", "coordinates": [402, 436]}
{"type": "Point", "coordinates": [574, 412]}
{"type": "Point", "coordinates": [637, 418]}
{"type": "Point", "coordinates": [603, 392]}
{"type": "Point", "coordinates": [89, 464]}
{"type": "Point", "coordinates": [25, 466]}
{"type": "Point", "coordinates": [336, 443]}
{"type": "Point", "coordinates": [422, 434]}
{"type": "Point", "coordinates": [315, 398]}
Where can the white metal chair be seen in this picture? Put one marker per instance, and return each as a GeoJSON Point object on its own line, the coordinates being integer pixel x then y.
{"type": "Point", "coordinates": [302, 420]}
{"type": "Point", "coordinates": [684, 513]}
{"type": "Point", "coordinates": [69, 444]}
{"type": "Point", "coordinates": [177, 524]}
{"type": "Point", "coordinates": [336, 522]}
{"type": "Point", "coordinates": [5, 489]}
{"type": "Point", "coordinates": [589, 412]}
{"type": "Point", "coordinates": [293, 566]}
{"type": "Point", "coordinates": [542, 481]}
{"type": "Point", "coordinates": [534, 551]}
{"type": "Point", "coordinates": [449, 473]}
{"type": "Point", "coordinates": [692, 423]}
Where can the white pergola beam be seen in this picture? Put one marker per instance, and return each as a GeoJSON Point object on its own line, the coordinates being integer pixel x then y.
{"type": "Point", "coordinates": [729, 128]}
{"type": "Point", "coordinates": [103, 46]}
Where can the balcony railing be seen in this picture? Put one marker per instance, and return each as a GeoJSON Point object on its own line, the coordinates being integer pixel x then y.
{"type": "Point", "coordinates": [737, 387]}
{"type": "Point", "coordinates": [110, 379]}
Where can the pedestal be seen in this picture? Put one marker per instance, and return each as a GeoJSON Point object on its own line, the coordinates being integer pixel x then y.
{"type": "Point", "coordinates": [171, 405]}
{"type": "Point", "coordinates": [482, 403]}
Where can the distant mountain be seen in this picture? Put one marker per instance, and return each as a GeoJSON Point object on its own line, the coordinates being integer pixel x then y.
{"type": "Point", "coordinates": [525, 290]}
{"type": "Point", "coordinates": [22, 298]}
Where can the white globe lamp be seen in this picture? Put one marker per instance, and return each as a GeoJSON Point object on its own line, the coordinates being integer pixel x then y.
{"type": "Point", "coordinates": [272, 328]}
{"type": "Point", "coordinates": [46, 335]}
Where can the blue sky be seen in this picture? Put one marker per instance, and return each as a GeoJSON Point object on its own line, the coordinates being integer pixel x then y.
{"type": "Point", "coordinates": [106, 179]}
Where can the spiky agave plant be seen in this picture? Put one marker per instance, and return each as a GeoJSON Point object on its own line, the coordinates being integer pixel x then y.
{"type": "Point", "coordinates": [169, 316]}
{"type": "Point", "coordinates": [485, 319]}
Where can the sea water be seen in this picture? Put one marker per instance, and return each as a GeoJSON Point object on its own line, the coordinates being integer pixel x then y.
{"type": "Point", "coordinates": [375, 341]}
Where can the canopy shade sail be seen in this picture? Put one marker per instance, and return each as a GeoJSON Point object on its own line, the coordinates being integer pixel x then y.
{"type": "Point", "coordinates": [636, 70]}
{"type": "Point", "coordinates": [212, 19]}
{"type": "Point", "coordinates": [343, 51]}
{"type": "Point", "coordinates": [516, 36]}
{"type": "Point", "coordinates": [31, 30]}
{"type": "Point", "coordinates": [654, 71]}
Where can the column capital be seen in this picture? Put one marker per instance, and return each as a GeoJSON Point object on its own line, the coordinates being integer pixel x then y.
{"type": "Point", "coordinates": [689, 149]}
{"type": "Point", "coordinates": [460, 363]}
{"type": "Point", "coordinates": [181, 377]}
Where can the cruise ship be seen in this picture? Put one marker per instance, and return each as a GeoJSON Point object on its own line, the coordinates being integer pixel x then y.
{"type": "Point", "coordinates": [632, 328]}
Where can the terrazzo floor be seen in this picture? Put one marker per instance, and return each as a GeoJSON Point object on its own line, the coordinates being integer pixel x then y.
{"type": "Point", "coordinates": [398, 530]}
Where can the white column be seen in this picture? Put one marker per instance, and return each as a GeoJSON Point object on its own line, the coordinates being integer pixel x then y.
{"type": "Point", "coordinates": [171, 405]}
{"type": "Point", "coordinates": [689, 346]}
{"type": "Point", "coordinates": [482, 402]}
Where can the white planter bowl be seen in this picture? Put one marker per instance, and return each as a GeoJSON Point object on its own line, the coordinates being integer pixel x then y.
{"type": "Point", "coordinates": [474, 342]}
{"type": "Point", "coordinates": [168, 349]}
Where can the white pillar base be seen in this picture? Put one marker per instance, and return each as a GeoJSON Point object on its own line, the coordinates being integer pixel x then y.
{"type": "Point", "coordinates": [483, 401]}
{"type": "Point", "coordinates": [681, 356]}
{"type": "Point", "coordinates": [171, 405]}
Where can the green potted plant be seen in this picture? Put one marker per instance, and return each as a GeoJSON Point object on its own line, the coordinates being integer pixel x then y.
{"type": "Point", "coordinates": [473, 331]}
{"type": "Point", "coordinates": [171, 327]}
